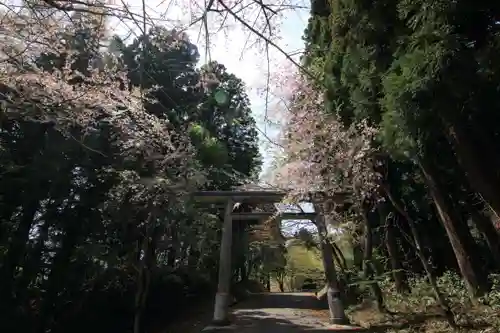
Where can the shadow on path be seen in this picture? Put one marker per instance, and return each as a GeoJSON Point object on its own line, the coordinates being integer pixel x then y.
{"type": "Point", "coordinates": [305, 301]}
{"type": "Point", "coordinates": [279, 313]}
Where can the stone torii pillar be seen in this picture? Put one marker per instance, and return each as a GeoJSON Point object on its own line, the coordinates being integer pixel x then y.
{"type": "Point", "coordinates": [222, 297]}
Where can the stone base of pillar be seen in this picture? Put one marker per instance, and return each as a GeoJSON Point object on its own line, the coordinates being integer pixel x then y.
{"type": "Point", "coordinates": [221, 323]}
{"type": "Point", "coordinates": [339, 321]}
{"type": "Point", "coordinates": [221, 310]}
{"type": "Point", "coordinates": [337, 314]}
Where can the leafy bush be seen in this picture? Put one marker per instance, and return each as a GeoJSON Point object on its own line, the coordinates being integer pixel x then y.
{"type": "Point", "coordinates": [417, 311]}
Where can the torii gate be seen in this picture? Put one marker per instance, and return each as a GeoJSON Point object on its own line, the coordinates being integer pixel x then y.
{"type": "Point", "coordinates": [255, 197]}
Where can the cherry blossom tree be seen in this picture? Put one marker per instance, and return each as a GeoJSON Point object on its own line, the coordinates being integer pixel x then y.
{"type": "Point", "coordinates": [69, 95]}
{"type": "Point", "coordinates": [321, 153]}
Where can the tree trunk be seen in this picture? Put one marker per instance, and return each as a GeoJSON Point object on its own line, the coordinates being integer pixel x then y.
{"type": "Point", "coordinates": [56, 279]}
{"type": "Point", "coordinates": [398, 273]}
{"type": "Point", "coordinates": [490, 235]}
{"type": "Point", "coordinates": [440, 298]}
{"type": "Point", "coordinates": [31, 270]}
{"type": "Point", "coordinates": [463, 254]}
{"type": "Point", "coordinates": [243, 271]}
{"type": "Point", "coordinates": [17, 247]}
{"type": "Point", "coordinates": [280, 278]}
{"type": "Point", "coordinates": [368, 271]}
{"type": "Point", "coordinates": [146, 265]}
{"type": "Point", "coordinates": [481, 177]}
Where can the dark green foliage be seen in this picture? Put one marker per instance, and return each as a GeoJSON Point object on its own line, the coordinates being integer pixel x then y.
{"type": "Point", "coordinates": [224, 134]}
{"type": "Point", "coordinates": [426, 75]}
{"type": "Point", "coordinates": [79, 231]}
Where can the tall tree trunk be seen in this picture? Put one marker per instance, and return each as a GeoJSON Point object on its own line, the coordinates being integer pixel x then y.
{"type": "Point", "coordinates": [418, 246]}
{"type": "Point", "coordinates": [17, 248]}
{"type": "Point", "coordinates": [471, 158]}
{"type": "Point", "coordinates": [56, 279]}
{"type": "Point", "coordinates": [490, 235]}
{"type": "Point", "coordinates": [280, 278]}
{"type": "Point", "coordinates": [398, 273]}
{"type": "Point", "coordinates": [368, 271]}
{"type": "Point", "coordinates": [36, 134]}
{"type": "Point", "coordinates": [357, 255]}
{"type": "Point", "coordinates": [460, 244]}
{"type": "Point", "coordinates": [146, 265]}
{"type": "Point", "coordinates": [357, 248]}
{"type": "Point", "coordinates": [243, 271]}
{"type": "Point", "coordinates": [31, 270]}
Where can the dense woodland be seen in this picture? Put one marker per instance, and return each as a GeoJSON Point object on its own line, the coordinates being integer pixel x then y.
{"type": "Point", "coordinates": [103, 140]}
{"type": "Point", "coordinates": [396, 103]}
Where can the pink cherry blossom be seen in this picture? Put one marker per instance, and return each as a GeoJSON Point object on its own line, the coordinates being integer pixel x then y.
{"type": "Point", "coordinates": [321, 153]}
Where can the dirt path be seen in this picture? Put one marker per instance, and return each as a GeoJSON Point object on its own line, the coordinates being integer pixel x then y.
{"type": "Point", "coordinates": [280, 313]}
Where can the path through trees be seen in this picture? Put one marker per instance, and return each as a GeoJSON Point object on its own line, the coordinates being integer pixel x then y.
{"type": "Point", "coordinates": [281, 313]}
{"type": "Point", "coordinates": [252, 199]}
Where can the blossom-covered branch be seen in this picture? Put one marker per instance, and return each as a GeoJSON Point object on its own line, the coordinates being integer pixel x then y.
{"type": "Point", "coordinates": [57, 74]}
{"type": "Point", "coordinates": [321, 153]}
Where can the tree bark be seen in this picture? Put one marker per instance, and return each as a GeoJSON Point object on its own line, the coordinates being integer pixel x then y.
{"type": "Point", "coordinates": [474, 284]}
{"type": "Point", "coordinates": [418, 245]}
{"type": "Point", "coordinates": [31, 269]}
{"type": "Point", "coordinates": [17, 247]}
{"type": "Point", "coordinates": [56, 279]}
{"type": "Point", "coordinates": [267, 279]}
{"type": "Point", "coordinates": [490, 235]}
{"type": "Point", "coordinates": [368, 270]}
{"type": "Point", "coordinates": [146, 265]}
{"type": "Point", "coordinates": [479, 174]}
{"type": "Point", "coordinates": [397, 268]}
{"type": "Point", "coordinates": [280, 278]}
